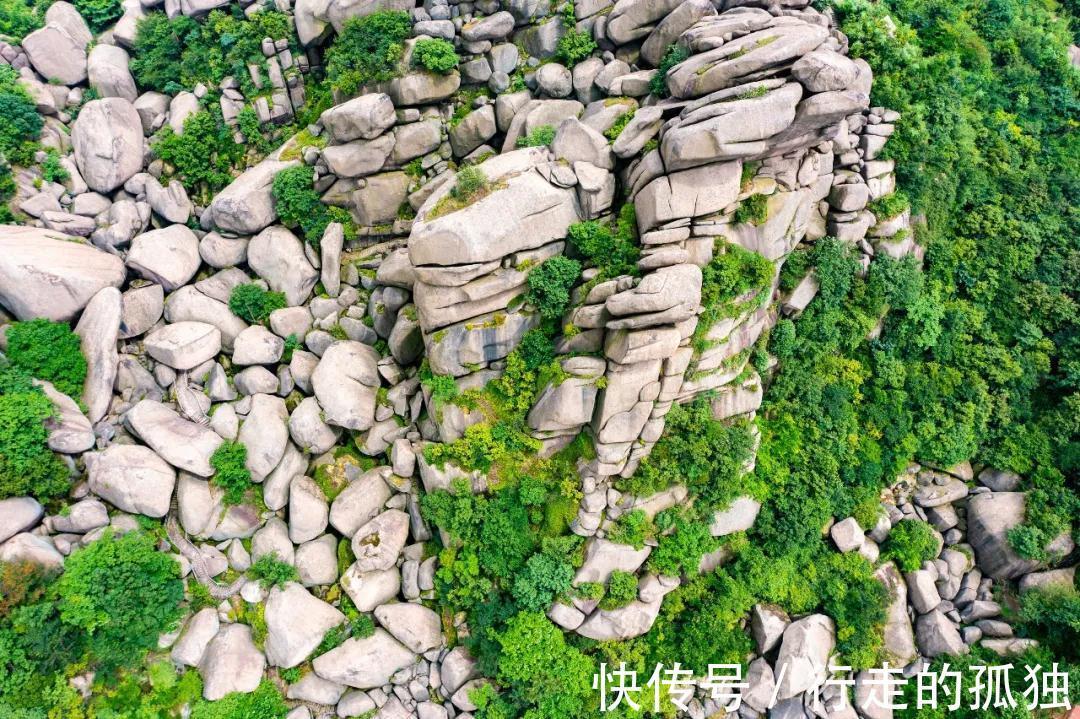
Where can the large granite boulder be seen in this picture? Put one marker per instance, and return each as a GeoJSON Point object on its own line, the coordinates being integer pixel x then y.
{"type": "Point", "coordinates": [364, 663]}
{"type": "Point", "coordinates": [108, 141]}
{"type": "Point", "coordinates": [132, 478]}
{"type": "Point", "coordinates": [345, 382]}
{"type": "Point", "coordinates": [296, 623]}
{"type": "Point", "coordinates": [246, 206]}
{"type": "Point", "coordinates": [49, 274]}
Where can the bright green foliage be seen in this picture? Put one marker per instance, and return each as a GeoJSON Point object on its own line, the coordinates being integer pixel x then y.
{"type": "Point", "coordinates": [575, 46]}
{"type": "Point", "coordinates": [911, 543]}
{"type": "Point", "coordinates": [99, 14]}
{"type": "Point", "coordinates": [22, 125]}
{"type": "Point", "coordinates": [299, 205]}
{"type": "Point", "coordinates": [27, 465]}
{"type": "Point", "coordinates": [541, 136]}
{"type": "Point", "coordinates": [697, 451]}
{"type": "Point", "coordinates": [443, 388]}
{"type": "Point", "coordinates": [631, 528]}
{"type": "Point", "coordinates": [674, 54]}
{"type": "Point", "coordinates": [230, 471]}
{"type": "Point", "coordinates": [264, 703]}
{"type": "Point", "coordinates": [19, 18]}
{"type": "Point", "coordinates": [48, 351]}
{"type": "Point", "coordinates": [549, 286]}
{"type": "Point", "coordinates": [621, 590]}
{"type": "Point", "coordinates": [856, 601]}
{"type": "Point", "coordinates": [540, 669]}
{"type": "Point", "coordinates": [732, 273]}
{"type": "Point", "coordinates": [157, 60]}
{"type": "Point", "coordinates": [611, 249]}
{"type": "Point", "coordinates": [1052, 615]}
{"type": "Point", "coordinates": [272, 572]}
{"type": "Point", "coordinates": [170, 55]}
{"type": "Point", "coordinates": [470, 181]}
{"type": "Point", "coordinates": [367, 50]}
{"type": "Point", "coordinates": [680, 552]}
{"type": "Point", "coordinates": [536, 349]}
{"type": "Point", "coordinates": [754, 209]}
{"type": "Point", "coordinates": [253, 304]}
{"type": "Point", "coordinates": [436, 55]}
{"type": "Point", "coordinates": [888, 207]}
{"type": "Point", "coordinates": [122, 593]}
{"type": "Point", "coordinates": [51, 169]}
{"type": "Point", "coordinates": [203, 156]}
{"type": "Point", "coordinates": [613, 132]}
{"type": "Point", "coordinates": [160, 693]}
{"type": "Point", "coordinates": [545, 577]}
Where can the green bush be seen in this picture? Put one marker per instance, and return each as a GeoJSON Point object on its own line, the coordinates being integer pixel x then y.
{"type": "Point", "coordinates": [470, 181]}
{"type": "Point", "coordinates": [368, 50]}
{"type": "Point", "coordinates": [230, 471]}
{"type": "Point", "coordinates": [632, 528]}
{"type": "Point", "coordinates": [272, 572]}
{"type": "Point", "coordinates": [544, 578]}
{"type": "Point", "coordinates": [539, 668]}
{"type": "Point", "coordinates": [203, 156]}
{"type": "Point", "coordinates": [19, 18]}
{"type": "Point", "coordinates": [613, 132]}
{"type": "Point", "coordinates": [253, 304]}
{"type": "Point", "coordinates": [299, 205]}
{"type": "Point", "coordinates": [22, 125]}
{"type": "Point", "coordinates": [265, 702]}
{"type": "Point", "coordinates": [613, 251]}
{"type": "Point", "coordinates": [575, 46]}
{"type": "Point", "coordinates": [910, 543]}
{"type": "Point", "coordinates": [852, 596]}
{"type": "Point", "coordinates": [621, 590]}
{"type": "Point", "coordinates": [674, 54]}
{"type": "Point", "coordinates": [549, 286]}
{"type": "Point", "coordinates": [754, 209]}
{"type": "Point", "coordinates": [889, 206]}
{"type": "Point", "coordinates": [1052, 615]}
{"type": "Point", "coordinates": [51, 169]}
{"type": "Point", "coordinates": [27, 465]}
{"type": "Point", "coordinates": [541, 136]}
{"type": "Point", "coordinates": [49, 351]}
{"type": "Point", "coordinates": [99, 14]}
{"type": "Point", "coordinates": [171, 55]}
{"type": "Point", "coordinates": [157, 57]}
{"type": "Point", "coordinates": [122, 593]}
{"type": "Point", "coordinates": [680, 551]}
{"type": "Point", "coordinates": [436, 55]}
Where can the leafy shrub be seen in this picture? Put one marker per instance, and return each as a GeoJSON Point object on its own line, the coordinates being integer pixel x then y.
{"type": "Point", "coordinates": [541, 136]}
{"type": "Point", "coordinates": [22, 125]}
{"type": "Point", "coordinates": [613, 132]}
{"type": "Point", "coordinates": [367, 50]}
{"type": "Point", "coordinates": [544, 578]}
{"type": "Point", "coordinates": [575, 46]}
{"type": "Point", "coordinates": [549, 285]}
{"type": "Point", "coordinates": [613, 252]}
{"type": "Point", "coordinates": [754, 209]}
{"type": "Point", "coordinates": [51, 169]}
{"type": "Point", "coordinates": [99, 14]}
{"type": "Point", "coordinates": [272, 572]}
{"type": "Point", "coordinates": [203, 156]}
{"type": "Point", "coordinates": [539, 668]}
{"type": "Point", "coordinates": [536, 349]}
{"type": "Point", "coordinates": [299, 205]}
{"type": "Point", "coordinates": [49, 351]}
{"type": "Point", "coordinates": [157, 57]}
{"type": "Point", "coordinates": [674, 54]}
{"type": "Point", "coordinates": [27, 466]}
{"type": "Point", "coordinates": [264, 703]}
{"type": "Point", "coordinates": [856, 600]}
{"type": "Point", "coordinates": [632, 528]}
{"type": "Point", "coordinates": [680, 552]}
{"type": "Point", "coordinates": [19, 18]}
{"type": "Point", "coordinates": [122, 593]}
{"type": "Point", "coordinates": [910, 543]}
{"type": "Point", "coordinates": [621, 590]}
{"type": "Point", "coordinates": [170, 55]}
{"type": "Point", "coordinates": [1052, 614]}
{"type": "Point", "coordinates": [889, 206]}
{"type": "Point", "coordinates": [253, 304]}
{"type": "Point", "coordinates": [230, 471]}
{"type": "Point", "coordinates": [436, 55]}
{"type": "Point", "coordinates": [471, 184]}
